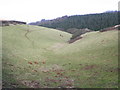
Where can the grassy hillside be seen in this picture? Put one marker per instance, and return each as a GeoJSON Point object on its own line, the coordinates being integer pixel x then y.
{"type": "Point", "coordinates": [41, 57]}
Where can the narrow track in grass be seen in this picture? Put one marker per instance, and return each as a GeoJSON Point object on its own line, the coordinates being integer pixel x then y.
{"type": "Point", "coordinates": [26, 35]}
{"type": "Point", "coordinates": [28, 31]}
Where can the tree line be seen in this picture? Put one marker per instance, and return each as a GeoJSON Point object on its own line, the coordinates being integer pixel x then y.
{"type": "Point", "coordinates": [95, 22]}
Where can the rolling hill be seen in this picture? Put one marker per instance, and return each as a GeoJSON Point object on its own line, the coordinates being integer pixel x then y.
{"type": "Point", "coordinates": [39, 57]}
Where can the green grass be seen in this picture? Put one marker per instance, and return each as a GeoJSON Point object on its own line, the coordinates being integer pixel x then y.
{"type": "Point", "coordinates": [91, 62]}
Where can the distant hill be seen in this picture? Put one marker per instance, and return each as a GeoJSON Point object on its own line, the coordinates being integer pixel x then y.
{"type": "Point", "coordinates": [91, 21]}
{"type": "Point", "coordinates": [8, 22]}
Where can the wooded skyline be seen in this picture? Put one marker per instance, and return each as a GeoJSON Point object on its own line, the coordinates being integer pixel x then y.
{"type": "Point", "coordinates": [91, 21]}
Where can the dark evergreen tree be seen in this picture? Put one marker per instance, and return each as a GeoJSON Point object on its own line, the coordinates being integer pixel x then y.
{"type": "Point", "coordinates": [91, 21]}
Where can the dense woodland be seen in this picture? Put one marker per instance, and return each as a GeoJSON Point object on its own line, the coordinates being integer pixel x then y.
{"type": "Point", "coordinates": [91, 21]}
{"type": "Point", "coordinates": [80, 24]}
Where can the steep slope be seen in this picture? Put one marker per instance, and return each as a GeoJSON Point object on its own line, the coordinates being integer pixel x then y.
{"type": "Point", "coordinates": [38, 57]}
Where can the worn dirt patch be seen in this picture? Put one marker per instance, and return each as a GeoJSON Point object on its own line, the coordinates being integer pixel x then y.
{"type": "Point", "coordinates": [89, 67]}
{"type": "Point", "coordinates": [31, 84]}
{"type": "Point", "coordinates": [62, 82]}
{"type": "Point", "coordinates": [67, 82]}
{"type": "Point", "coordinates": [54, 67]}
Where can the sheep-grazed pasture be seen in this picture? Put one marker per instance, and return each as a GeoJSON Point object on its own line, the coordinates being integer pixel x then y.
{"type": "Point", "coordinates": [47, 60]}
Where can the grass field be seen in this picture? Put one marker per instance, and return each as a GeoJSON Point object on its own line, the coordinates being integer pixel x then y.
{"type": "Point", "coordinates": [39, 57]}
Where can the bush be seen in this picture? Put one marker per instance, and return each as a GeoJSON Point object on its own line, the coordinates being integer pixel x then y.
{"type": "Point", "coordinates": [80, 32]}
